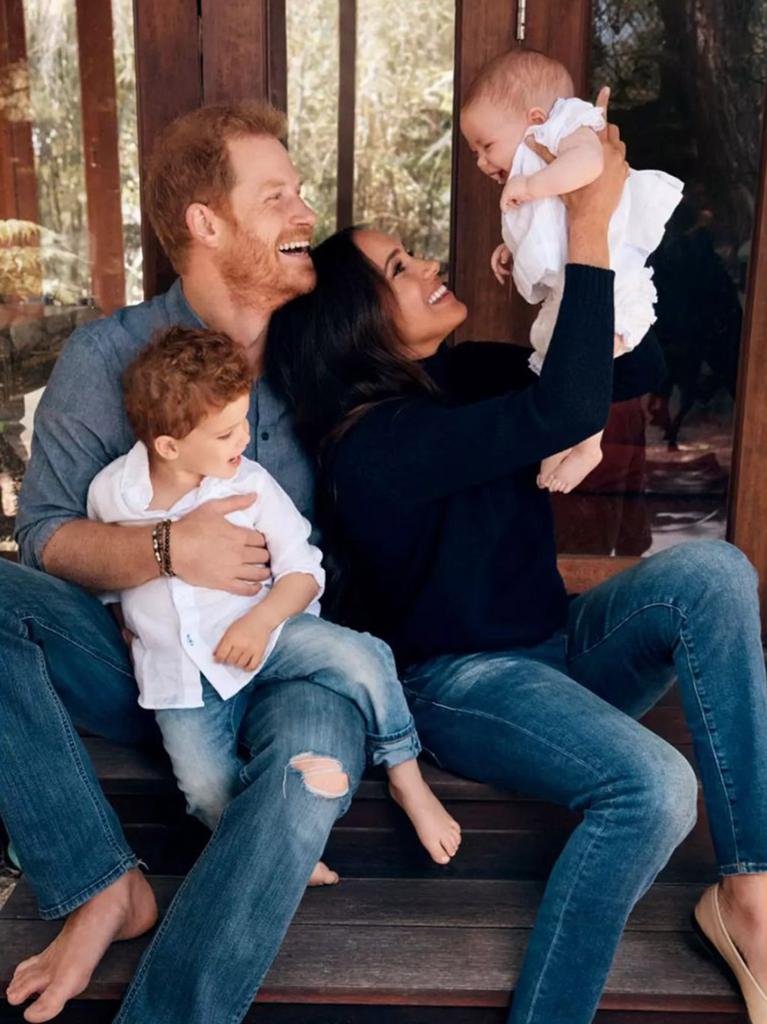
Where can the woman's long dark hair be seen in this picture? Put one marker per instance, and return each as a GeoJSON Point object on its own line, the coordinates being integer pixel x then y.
{"type": "Point", "coordinates": [334, 354]}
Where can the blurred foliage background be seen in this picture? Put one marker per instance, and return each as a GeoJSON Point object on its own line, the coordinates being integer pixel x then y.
{"type": "Point", "coordinates": [404, 110]}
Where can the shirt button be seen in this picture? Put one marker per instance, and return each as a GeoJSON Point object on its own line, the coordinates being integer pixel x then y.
{"type": "Point", "coordinates": [264, 435]}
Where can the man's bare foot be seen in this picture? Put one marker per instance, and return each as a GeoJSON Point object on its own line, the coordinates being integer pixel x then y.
{"type": "Point", "coordinates": [322, 875]}
{"type": "Point", "coordinates": [574, 468]}
{"type": "Point", "coordinates": [743, 906]}
{"type": "Point", "coordinates": [437, 830]}
{"type": "Point", "coordinates": [124, 910]}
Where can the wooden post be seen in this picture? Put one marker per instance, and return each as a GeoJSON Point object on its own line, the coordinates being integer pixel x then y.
{"type": "Point", "coordinates": [747, 526]}
{"type": "Point", "coordinates": [98, 96]}
{"type": "Point", "coordinates": [347, 87]}
{"type": "Point", "coordinates": [168, 83]}
{"type": "Point", "coordinates": [561, 28]}
{"type": "Point", "coordinates": [18, 182]}
{"type": "Point", "coordinates": [244, 51]}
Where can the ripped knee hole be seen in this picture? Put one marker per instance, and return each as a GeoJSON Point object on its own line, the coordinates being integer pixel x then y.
{"type": "Point", "coordinates": [323, 776]}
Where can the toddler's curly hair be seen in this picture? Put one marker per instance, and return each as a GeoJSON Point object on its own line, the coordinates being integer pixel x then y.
{"type": "Point", "coordinates": [182, 375]}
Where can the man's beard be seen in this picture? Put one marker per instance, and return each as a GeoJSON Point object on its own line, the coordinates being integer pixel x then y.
{"type": "Point", "coordinates": [257, 277]}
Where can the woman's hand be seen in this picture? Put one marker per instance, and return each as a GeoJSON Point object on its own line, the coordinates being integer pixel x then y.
{"type": "Point", "coordinates": [589, 208]}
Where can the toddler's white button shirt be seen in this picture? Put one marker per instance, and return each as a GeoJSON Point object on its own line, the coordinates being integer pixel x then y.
{"type": "Point", "coordinates": [178, 626]}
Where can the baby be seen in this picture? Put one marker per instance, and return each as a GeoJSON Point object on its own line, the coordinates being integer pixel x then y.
{"type": "Point", "coordinates": [524, 94]}
{"type": "Point", "coordinates": [198, 653]}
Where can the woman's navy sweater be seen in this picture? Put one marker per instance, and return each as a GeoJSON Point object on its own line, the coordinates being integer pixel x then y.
{"type": "Point", "coordinates": [450, 539]}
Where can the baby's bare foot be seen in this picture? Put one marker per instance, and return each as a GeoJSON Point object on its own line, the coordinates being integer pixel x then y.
{"type": "Point", "coordinates": [437, 830]}
{"type": "Point", "coordinates": [573, 469]}
{"type": "Point", "coordinates": [124, 910]}
{"type": "Point", "coordinates": [322, 875]}
{"type": "Point", "coordinates": [549, 467]}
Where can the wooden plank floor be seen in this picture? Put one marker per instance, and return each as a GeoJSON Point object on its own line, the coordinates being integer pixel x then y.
{"type": "Point", "coordinates": [429, 943]}
{"type": "Point", "coordinates": [404, 941]}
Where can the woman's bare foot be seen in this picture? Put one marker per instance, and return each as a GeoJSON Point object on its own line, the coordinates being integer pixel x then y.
{"type": "Point", "coordinates": [124, 910]}
{"type": "Point", "coordinates": [437, 830]}
{"type": "Point", "coordinates": [743, 905]}
{"type": "Point", "coordinates": [322, 875]}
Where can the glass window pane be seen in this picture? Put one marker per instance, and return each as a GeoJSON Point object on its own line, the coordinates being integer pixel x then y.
{"type": "Point", "coordinates": [403, 144]}
{"type": "Point", "coordinates": [688, 81]}
{"type": "Point", "coordinates": [312, 45]}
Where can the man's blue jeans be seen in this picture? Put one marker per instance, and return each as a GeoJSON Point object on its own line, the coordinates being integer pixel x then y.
{"type": "Point", "coordinates": [62, 659]}
{"type": "Point", "coordinates": [557, 721]}
{"type": "Point", "coordinates": [203, 742]}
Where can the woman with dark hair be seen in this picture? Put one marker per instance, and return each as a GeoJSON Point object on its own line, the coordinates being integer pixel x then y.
{"type": "Point", "coordinates": [428, 459]}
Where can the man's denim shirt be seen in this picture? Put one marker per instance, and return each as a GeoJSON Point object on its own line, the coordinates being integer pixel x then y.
{"type": "Point", "coordinates": [80, 424]}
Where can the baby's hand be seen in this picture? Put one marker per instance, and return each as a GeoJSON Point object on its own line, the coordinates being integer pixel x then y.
{"type": "Point", "coordinates": [500, 263]}
{"type": "Point", "coordinates": [244, 642]}
{"type": "Point", "coordinates": [515, 192]}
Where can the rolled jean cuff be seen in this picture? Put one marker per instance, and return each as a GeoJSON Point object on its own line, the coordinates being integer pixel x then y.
{"type": "Point", "coordinates": [395, 748]}
{"type": "Point", "coordinates": [66, 906]}
{"type": "Point", "coordinates": [743, 867]}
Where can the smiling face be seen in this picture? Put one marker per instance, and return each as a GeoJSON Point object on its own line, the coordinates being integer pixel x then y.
{"type": "Point", "coordinates": [425, 311]}
{"type": "Point", "coordinates": [265, 233]}
{"type": "Point", "coordinates": [215, 446]}
{"type": "Point", "coordinates": [493, 134]}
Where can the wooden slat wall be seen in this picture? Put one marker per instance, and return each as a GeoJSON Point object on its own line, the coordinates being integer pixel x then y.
{"type": "Point", "coordinates": [748, 488]}
{"type": "Point", "coordinates": [168, 83]}
{"type": "Point", "coordinates": [98, 96]}
{"type": "Point", "coordinates": [243, 51]}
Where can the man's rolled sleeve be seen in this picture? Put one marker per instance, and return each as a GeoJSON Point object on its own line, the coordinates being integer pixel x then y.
{"type": "Point", "coordinates": [79, 428]}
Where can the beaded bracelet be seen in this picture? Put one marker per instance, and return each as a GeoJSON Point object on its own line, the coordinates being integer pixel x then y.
{"type": "Point", "coordinates": [161, 547]}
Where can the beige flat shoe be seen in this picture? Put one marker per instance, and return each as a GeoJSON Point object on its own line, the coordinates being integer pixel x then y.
{"type": "Point", "coordinates": [709, 925]}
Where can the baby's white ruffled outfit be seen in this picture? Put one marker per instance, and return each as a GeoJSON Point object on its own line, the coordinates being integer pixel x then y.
{"type": "Point", "coordinates": [536, 234]}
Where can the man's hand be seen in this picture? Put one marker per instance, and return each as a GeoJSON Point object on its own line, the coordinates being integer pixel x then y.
{"type": "Point", "coordinates": [500, 263]}
{"type": "Point", "coordinates": [208, 551]}
{"type": "Point", "coordinates": [516, 191]}
{"type": "Point", "coordinates": [244, 643]}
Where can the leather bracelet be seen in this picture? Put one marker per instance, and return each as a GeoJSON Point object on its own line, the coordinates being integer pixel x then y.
{"type": "Point", "coordinates": [161, 547]}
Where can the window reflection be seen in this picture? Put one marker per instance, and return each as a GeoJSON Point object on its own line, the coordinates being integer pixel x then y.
{"type": "Point", "coordinates": [688, 80]}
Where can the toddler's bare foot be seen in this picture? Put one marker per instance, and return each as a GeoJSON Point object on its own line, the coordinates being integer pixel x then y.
{"type": "Point", "coordinates": [437, 830]}
{"type": "Point", "coordinates": [571, 470]}
{"type": "Point", "coordinates": [322, 875]}
{"type": "Point", "coordinates": [549, 467]}
{"type": "Point", "coordinates": [124, 910]}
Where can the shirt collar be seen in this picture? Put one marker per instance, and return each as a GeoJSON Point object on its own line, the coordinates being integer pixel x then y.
{"type": "Point", "coordinates": [136, 483]}
{"type": "Point", "coordinates": [178, 309]}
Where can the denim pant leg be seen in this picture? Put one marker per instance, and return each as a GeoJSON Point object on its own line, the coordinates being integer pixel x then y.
{"type": "Point", "coordinates": [228, 919]}
{"type": "Point", "coordinates": [692, 610]}
{"type": "Point", "coordinates": [202, 744]}
{"type": "Point", "coordinates": [521, 723]}
{"type": "Point", "coordinates": [357, 666]}
{"type": "Point", "coordinates": [61, 655]}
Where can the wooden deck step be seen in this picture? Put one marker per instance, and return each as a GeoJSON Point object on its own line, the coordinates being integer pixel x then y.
{"type": "Point", "coordinates": [505, 835]}
{"type": "Point", "coordinates": [431, 943]}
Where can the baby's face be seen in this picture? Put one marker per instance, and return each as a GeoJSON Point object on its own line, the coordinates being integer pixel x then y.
{"type": "Point", "coordinates": [215, 446]}
{"type": "Point", "coordinates": [493, 134]}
